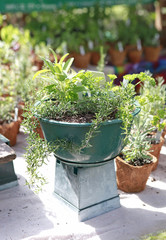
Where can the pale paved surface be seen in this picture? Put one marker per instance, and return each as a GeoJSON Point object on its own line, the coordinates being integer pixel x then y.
{"type": "Point", "coordinates": [24, 215]}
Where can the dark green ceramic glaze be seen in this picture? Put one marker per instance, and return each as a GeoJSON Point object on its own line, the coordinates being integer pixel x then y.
{"type": "Point", "coordinates": [106, 144]}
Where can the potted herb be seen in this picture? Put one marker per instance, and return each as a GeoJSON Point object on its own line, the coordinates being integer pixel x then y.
{"type": "Point", "coordinates": [96, 40]}
{"type": "Point", "coordinates": [134, 49]}
{"type": "Point", "coordinates": [117, 50]}
{"type": "Point", "coordinates": [85, 121]}
{"type": "Point", "coordinates": [135, 163]}
{"type": "Point", "coordinates": [80, 52]}
{"type": "Point", "coordinates": [9, 123]}
{"type": "Point", "coordinates": [82, 99]}
{"type": "Point", "coordinates": [136, 18]}
{"type": "Point", "coordinates": [151, 44]}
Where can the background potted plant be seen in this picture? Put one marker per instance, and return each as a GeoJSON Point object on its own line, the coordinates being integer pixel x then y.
{"type": "Point", "coordinates": [96, 40]}
{"type": "Point", "coordinates": [117, 50]}
{"type": "Point", "coordinates": [151, 43]}
{"type": "Point", "coordinates": [134, 44]}
{"type": "Point", "coordinates": [9, 124]}
{"type": "Point", "coordinates": [134, 51]}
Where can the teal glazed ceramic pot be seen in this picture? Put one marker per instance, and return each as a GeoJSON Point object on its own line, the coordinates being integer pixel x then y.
{"type": "Point", "coordinates": [106, 143]}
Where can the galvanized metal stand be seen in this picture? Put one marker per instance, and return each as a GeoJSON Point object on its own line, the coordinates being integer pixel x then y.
{"type": "Point", "coordinates": [90, 191]}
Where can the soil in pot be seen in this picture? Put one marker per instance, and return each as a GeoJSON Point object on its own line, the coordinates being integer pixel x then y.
{"type": "Point", "coordinates": [131, 178]}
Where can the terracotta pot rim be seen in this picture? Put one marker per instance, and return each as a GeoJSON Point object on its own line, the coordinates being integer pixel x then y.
{"type": "Point", "coordinates": [162, 140]}
{"type": "Point", "coordinates": [152, 47]}
{"type": "Point", "coordinates": [147, 164]}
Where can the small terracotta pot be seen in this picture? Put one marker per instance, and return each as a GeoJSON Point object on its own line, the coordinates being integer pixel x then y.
{"type": "Point", "coordinates": [95, 58]}
{"type": "Point", "coordinates": [131, 178]}
{"type": "Point", "coordinates": [117, 58]}
{"type": "Point", "coordinates": [81, 61]}
{"type": "Point", "coordinates": [10, 131]}
{"type": "Point", "coordinates": [155, 151]}
{"type": "Point", "coordinates": [152, 54]}
{"type": "Point", "coordinates": [134, 55]}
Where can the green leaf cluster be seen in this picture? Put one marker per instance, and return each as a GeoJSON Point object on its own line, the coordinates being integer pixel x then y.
{"type": "Point", "coordinates": [66, 93]}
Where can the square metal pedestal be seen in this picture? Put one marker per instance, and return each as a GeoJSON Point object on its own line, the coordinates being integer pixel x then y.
{"type": "Point", "coordinates": [90, 191]}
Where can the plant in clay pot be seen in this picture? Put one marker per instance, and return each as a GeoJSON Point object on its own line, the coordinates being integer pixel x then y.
{"type": "Point", "coordinates": [117, 50]}
{"type": "Point", "coordinates": [95, 42]}
{"type": "Point", "coordinates": [9, 124]}
{"type": "Point", "coordinates": [135, 163]}
{"type": "Point", "coordinates": [83, 117]}
{"type": "Point", "coordinates": [137, 16]}
{"type": "Point", "coordinates": [80, 50]}
{"type": "Point", "coordinates": [134, 49]}
{"type": "Point", "coordinates": [151, 44]}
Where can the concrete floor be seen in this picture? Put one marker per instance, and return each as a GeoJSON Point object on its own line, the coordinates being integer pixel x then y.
{"type": "Point", "coordinates": [25, 215]}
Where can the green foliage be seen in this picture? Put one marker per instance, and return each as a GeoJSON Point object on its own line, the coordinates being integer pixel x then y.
{"type": "Point", "coordinates": [159, 236]}
{"type": "Point", "coordinates": [101, 63]}
{"type": "Point", "coordinates": [6, 109]}
{"type": "Point", "coordinates": [153, 110]}
{"type": "Point", "coordinates": [12, 35]}
{"type": "Point", "coordinates": [16, 72]}
{"type": "Point", "coordinates": [151, 37]}
{"type": "Point", "coordinates": [21, 71]}
{"type": "Point", "coordinates": [138, 143]}
{"type": "Point", "coordinates": [6, 53]}
{"type": "Point", "coordinates": [152, 101]}
{"type": "Point", "coordinates": [66, 93]}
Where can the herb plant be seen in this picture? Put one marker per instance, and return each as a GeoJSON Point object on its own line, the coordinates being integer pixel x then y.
{"type": "Point", "coordinates": [138, 142]}
{"type": "Point", "coordinates": [6, 109]}
{"type": "Point", "coordinates": [152, 101]}
{"type": "Point", "coordinates": [75, 97]}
